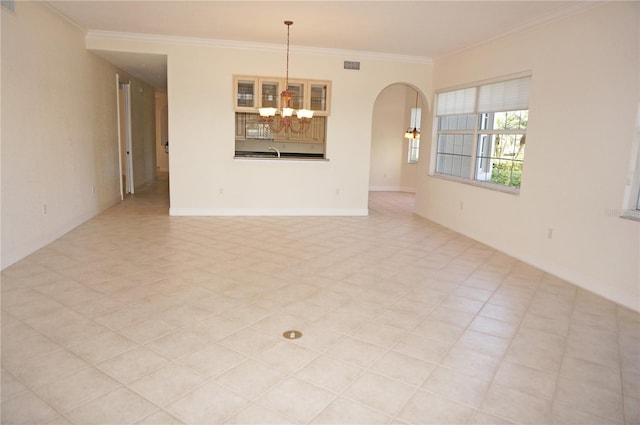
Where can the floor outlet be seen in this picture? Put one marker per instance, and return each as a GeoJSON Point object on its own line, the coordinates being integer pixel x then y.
{"type": "Point", "coordinates": [292, 334]}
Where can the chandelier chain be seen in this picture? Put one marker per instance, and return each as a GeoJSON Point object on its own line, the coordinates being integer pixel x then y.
{"type": "Point", "coordinates": [286, 83]}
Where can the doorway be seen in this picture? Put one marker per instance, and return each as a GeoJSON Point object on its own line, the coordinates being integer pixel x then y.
{"type": "Point", "coordinates": [125, 138]}
{"type": "Point", "coordinates": [393, 162]}
{"type": "Point", "coordinates": [162, 132]}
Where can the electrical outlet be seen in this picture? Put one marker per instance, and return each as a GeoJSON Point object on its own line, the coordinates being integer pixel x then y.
{"type": "Point", "coordinates": [550, 233]}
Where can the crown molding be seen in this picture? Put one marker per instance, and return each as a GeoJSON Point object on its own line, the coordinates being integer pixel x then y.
{"type": "Point", "coordinates": [244, 45]}
{"type": "Point", "coordinates": [564, 12]}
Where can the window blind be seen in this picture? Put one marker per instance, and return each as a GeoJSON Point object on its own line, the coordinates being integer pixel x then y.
{"type": "Point", "coordinates": [510, 95]}
{"type": "Point", "coordinates": [457, 102]}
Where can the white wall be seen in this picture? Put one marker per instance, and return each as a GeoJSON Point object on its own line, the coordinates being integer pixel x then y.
{"type": "Point", "coordinates": [387, 139]}
{"type": "Point", "coordinates": [584, 96]}
{"type": "Point", "coordinates": [59, 137]}
{"type": "Point", "coordinates": [204, 177]}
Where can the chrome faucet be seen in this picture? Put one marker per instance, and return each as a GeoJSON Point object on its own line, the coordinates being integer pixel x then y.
{"type": "Point", "coordinates": [272, 148]}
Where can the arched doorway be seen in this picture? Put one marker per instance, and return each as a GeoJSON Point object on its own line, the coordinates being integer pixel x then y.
{"type": "Point", "coordinates": [392, 168]}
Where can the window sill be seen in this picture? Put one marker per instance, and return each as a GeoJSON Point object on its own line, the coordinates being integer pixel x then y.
{"type": "Point", "coordinates": [631, 215]}
{"type": "Point", "coordinates": [484, 185]}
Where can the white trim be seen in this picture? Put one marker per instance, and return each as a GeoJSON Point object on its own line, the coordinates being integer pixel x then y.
{"type": "Point", "coordinates": [510, 190]}
{"type": "Point", "coordinates": [95, 35]}
{"type": "Point", "coordinates": [257, 212]}
{"type": "Point", "coordinates": [564, 12]}
{"type": "Point", "coordinates": [48, 237]}
{"type": "Point", "coordinates": [119, 136]}
{"type": "Point", "coordinates": [128, 136]}
{"type": "Point", "coordinates": [392, 189]}
{"type": "Point", "coordinates": [632, 186]}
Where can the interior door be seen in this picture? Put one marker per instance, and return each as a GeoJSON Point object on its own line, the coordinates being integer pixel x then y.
{"type": "Point", "coordinates": [125, 133]}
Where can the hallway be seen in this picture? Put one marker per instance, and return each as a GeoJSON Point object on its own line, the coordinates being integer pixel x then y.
{"type": "Point", "coordinates": [136, 317]}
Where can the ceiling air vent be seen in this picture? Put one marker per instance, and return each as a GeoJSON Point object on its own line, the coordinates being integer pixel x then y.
{"type": "Point", "coordinates": [352, 65]}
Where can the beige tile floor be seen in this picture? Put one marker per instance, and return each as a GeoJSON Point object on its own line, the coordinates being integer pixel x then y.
{"type": "Point", "coordinates": [140, 318]}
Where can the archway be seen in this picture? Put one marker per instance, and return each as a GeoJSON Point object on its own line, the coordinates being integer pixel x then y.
{"type": "Point", "coordinates": [390, 166]}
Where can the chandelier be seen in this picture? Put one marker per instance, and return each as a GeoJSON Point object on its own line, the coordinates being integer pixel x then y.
{"type": "Point", "coordinates": [413, 133]}
{"type": "Point", "coordinates": [286, 119]}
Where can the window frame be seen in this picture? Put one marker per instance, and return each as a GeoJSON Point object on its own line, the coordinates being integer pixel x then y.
{"type": "Point", "coordinates": [631, 198]}
{"type": "Point", "coordinates": [413, 151]}
{"type": "Point", "coordinates": [473, 130]}
{"type": "Point", "coordinates": [504, 134]}
{"type": "Point", "coordinates": [413, 148]}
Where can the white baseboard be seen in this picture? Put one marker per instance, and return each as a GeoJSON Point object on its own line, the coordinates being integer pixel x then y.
{"type": "Point", "coordinates": [251, 212]}
{"type": "Point", "coordinates": [392, 189]}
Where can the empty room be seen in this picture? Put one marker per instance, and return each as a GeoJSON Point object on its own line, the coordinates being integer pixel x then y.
{"type": "Point", "coordinates": [306, 212]}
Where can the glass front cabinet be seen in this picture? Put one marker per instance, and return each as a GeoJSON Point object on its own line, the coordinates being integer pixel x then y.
{"type": "Point", "coordinates": [251, 93]}
{"type": "Point", "coordinates": [319, 97]}
{"type": "Point", "coordinates": [269, 93]}
{"type": "Point", "coordinates": [245, 94]}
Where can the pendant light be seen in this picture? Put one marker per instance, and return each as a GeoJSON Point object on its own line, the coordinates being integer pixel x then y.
{"type": "Point", "coordinates": [286, 119]}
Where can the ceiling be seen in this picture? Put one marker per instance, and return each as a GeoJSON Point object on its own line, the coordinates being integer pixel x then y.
{"type": "Point", "coordinates": [425, 29]}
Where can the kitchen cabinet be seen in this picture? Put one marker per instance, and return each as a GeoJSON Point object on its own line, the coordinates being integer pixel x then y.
{"type": "Point", "coordinates": [254, 92]}
{"type": "Point", "coordinates": [249, 127]}
{"type": "Point", "coordinates": [314, 132]}
{"type": "Point", "coordinates": [245, 91]}
{"type": "Point", "coordinates": [269, 93]}
{"type": "Point", "coordinates": [319, 93]}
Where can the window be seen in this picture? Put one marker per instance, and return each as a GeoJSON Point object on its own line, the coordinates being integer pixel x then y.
{"type": "Point", "coordinates": [414, 143]}
{"type": "Point", "coordinates": [414, 150]}
{"type": "Point", "coordinates": [481, 132]}
{"type": "Point", "coordinates": [631, 200]}
{"type": "Point", "coordinates": [501, 142]}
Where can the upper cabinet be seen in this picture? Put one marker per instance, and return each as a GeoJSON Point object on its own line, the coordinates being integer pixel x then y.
{"type": "Point", "coordinates": [251, 93]}
{"type": "Point", "coordinates": [299, 100]}
{"type": "Point", "coordinates": [269, 93]}
{"type": "Point", "coordinates": [245, 95]}
{"type": "Point", "coordinates": [319, 93]}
